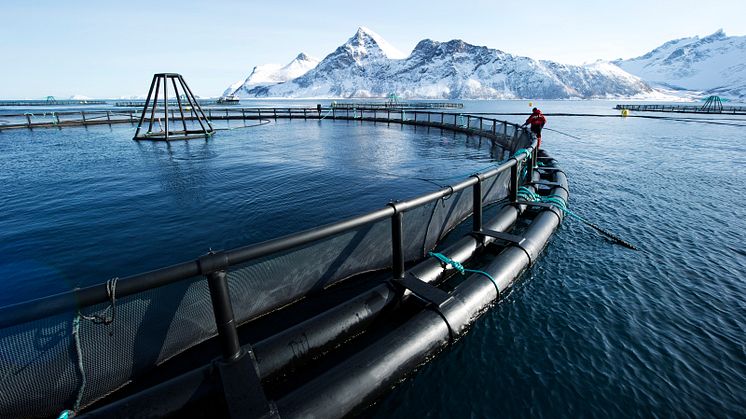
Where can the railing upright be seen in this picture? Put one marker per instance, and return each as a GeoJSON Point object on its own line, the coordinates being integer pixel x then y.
{"type": "Point", "coordinates": [514, 181]}
{"type": "Point", "coordinates": [397, 244]}
{"type": "Point", "coordinates": [477, 204]}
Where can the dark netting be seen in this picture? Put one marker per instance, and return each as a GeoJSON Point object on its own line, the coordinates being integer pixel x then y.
{"type": "Point", "coordinates": [65, 362]}
{"type": "Point", "coordinates": [262, 285]}
{"type": "Point", "coordinates": [43, 368]}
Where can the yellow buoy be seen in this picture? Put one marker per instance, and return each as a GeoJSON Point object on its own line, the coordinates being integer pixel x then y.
{"type": "Point", "coordinates": [530, 104]}
{"type": "Point", "coordinates": [625, 112]}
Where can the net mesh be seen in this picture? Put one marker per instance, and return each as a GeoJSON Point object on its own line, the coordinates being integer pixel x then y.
{"type": "Point", "coordinates": [44, 369]}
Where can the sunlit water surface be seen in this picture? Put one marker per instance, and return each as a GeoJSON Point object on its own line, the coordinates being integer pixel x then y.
{"type": "Point", "coordinates": [592, 330]}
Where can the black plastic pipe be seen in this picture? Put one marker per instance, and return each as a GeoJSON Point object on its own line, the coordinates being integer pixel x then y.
{"type": "Point", "coordinates": [360, 379]}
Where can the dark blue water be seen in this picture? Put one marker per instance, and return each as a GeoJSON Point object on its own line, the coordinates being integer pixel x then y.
{"type": "Point", "coordinates": [596, 330]}
{"type": "Point", "coordinates": [80, 205]}
{"type": "Point", "coordinates": [592, 330]}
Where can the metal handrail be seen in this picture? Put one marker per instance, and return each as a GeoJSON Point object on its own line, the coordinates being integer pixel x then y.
{"type": "Point", "coordinates": [214, 262]}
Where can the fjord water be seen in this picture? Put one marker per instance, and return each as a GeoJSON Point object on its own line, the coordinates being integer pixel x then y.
{"type": "Point", "coordinates": [597, 330]}
{"type": "Point", "coordinates": [592, 329]}
{"type": "Point", "coordinates": [84, 205]}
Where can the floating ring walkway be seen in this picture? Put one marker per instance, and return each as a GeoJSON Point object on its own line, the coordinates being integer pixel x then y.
{"type": "Point", "coordinates": [314, 324]}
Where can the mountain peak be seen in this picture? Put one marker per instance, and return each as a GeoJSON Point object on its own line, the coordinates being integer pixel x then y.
{"type": "Point", "coordinates": [365, 36]}
{"type": "Point", "coordinates": [719, 34]}
{"type": "Point", "coordinates": [303, 57]}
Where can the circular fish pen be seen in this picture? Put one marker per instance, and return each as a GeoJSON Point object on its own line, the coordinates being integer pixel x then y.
{"type": "Point", "coordinates": [316, 323]}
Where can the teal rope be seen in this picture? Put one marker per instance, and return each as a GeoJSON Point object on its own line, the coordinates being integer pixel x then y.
{"type": "Point", "coordinates": [460, 268]}
{"type": "Point", "coordinates": [79, 352]}
{"type": "Point", "coordinates": [521, 151]}
{"type": "Point", "coordinates": [558, 202]}
{"type": "Point", "coordinates": [329, 112]}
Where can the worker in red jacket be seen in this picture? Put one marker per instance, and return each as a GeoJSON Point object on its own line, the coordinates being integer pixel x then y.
{"type": "Point", "coordinates": [537, 121]}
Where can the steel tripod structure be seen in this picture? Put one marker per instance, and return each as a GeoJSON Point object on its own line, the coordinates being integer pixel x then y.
{"type": "Point", "coordinates": [185, 101]}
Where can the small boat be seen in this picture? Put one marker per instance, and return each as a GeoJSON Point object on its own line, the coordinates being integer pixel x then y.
{"type": "Point", "coordinates": [229, 100]}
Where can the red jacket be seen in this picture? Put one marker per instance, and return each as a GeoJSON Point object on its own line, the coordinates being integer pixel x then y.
{"type": "Point", "coordinates": [537, 118]}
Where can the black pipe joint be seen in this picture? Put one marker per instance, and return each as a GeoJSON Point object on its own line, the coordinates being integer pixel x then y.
{"type": "Point", "coordinates": [212, 262]}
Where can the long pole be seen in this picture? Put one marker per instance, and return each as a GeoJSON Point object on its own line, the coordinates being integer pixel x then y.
{"type": "Point", "coordinates": [144, 109]}
{"type": "Point", "coordinates": [195, 101]}
{"type": "Point", "coordinates": [178, 101]}
{"type": "Point", "coordinates": [155, 104]}
{"type": "Point", "coordinates": [165, 103]}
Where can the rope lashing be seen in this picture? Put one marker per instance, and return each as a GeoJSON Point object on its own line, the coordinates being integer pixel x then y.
{"type": "Point", "coordinates": [460, 268]}
{"type": "Point", "coordinates": [111, 291]}
{"type": "Point", "coordinates": [521, 151]}
{"type": "Point", "coordinates": [329, 112]}
{"type": "Point", "coordinates": [81, 367]}
{"type": "Point", "coordinates": [528, 195]}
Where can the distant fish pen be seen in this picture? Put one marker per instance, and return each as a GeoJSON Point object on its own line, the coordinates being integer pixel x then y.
{"type": "Point", "coordinates": [711, 106]}
{"type": "Point", "coordinates": [171, 102]}
{"type": "Point", "coordinates": [397, 105]}
{"type": "Point", "coordinates": [318, 323]}
{"type": "Point", "coordinates": [52, 102]}
{"type": "Point", "coordinates": [504, 132]}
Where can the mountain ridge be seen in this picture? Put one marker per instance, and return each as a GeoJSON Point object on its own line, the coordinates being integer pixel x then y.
{"type": "Point", "coordinates": [714, 64]}
{"type": "Point", "coordinates": [363, 67]}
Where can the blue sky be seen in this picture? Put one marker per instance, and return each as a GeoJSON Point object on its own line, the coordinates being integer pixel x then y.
{"type": "Point", "coordinates": [111, 49]}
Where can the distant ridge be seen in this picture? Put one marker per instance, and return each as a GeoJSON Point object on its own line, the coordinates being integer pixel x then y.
{"type": "Point", "coordinates": [714, 65]}
{"type": "Point", "coordinates": [368, 66]}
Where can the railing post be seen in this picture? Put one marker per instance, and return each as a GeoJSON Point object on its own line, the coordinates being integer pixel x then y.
{"type": "Point", "coordinates": [514, 181]}
{"type": "Point", "coordinates": [441, 118]}
{"type": "Point", "coordinates": [221, 306]}
{"type": "Point", "coordinates": [28, 118]}
{"type": "Point", "coordinates": [397, 244]}
{"type": "Point", "coordinates": [481, 123]}
{"type": "Point", "coordinates": [239, 373]}
{"type": "Point", "coordinates": [82, 113]}
{"type": "Point", "coordinates": [505, 129]}
{"type": "Point", "coordinates": [529, 162]}
{"type": "Point", "coordinates": [477, 210]}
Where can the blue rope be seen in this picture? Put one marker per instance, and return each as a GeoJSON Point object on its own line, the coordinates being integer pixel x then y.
{"type": "Point", "coordinates": [460, 268]}
{"type": "Point", "coordinates": [558, 202]}
{"type": "Point", "coordinates": [521, 151]}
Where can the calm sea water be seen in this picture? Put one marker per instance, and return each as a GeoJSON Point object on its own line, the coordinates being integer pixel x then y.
{"type": "Point", "coordinates": [592, 330]}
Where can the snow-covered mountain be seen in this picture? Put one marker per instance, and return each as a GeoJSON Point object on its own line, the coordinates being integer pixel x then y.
{"type": "Point", "coordinates": [715, 64]}
{"type": "Point", "coordinates": [367, 66]}
{"type": "Point", "coordinates": [269, 74]}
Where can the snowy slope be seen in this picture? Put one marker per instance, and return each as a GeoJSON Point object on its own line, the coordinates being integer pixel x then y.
{"type": "Point", "coordinates": [715, 64]}
{"type": "Point", "coordinates": [269, 74]}
{"type": "Point", "coordinates": [367, 66]}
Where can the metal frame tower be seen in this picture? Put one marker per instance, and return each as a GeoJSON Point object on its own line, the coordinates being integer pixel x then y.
{"type": "Point", "coordinates": [194, 112]}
